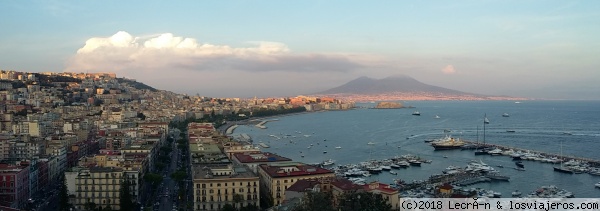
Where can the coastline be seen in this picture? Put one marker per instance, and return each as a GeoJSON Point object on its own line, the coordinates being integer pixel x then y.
{"type": "Point", "coordinates": [225, 128]}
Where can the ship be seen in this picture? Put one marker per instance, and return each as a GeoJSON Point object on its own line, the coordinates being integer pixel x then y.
{"type": "Point", "coordinates": [416, 113]}
{"type": "Point", "coordinates": [505, 115]}
{"type": "Point", "coordinates": [447, 143]}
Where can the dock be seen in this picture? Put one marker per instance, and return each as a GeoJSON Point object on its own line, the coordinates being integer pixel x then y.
{"type": "Point", "coordinates": [592, 162]}
{"type": "Point", "coordinates": [231, 129]}
{"type": "Point", "coordinates": [261, 125]}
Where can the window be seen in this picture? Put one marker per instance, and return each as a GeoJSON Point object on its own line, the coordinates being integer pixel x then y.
{"type": "Point", "coordinates": [203, 185]}
{"type": "Point", "coordinates": [218, 184]}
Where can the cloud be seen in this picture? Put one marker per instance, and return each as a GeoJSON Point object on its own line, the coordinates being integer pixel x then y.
{"type": "Point", "coordinates": [123, 52]}
{"type": "Point", "coordinates": [449, 69]}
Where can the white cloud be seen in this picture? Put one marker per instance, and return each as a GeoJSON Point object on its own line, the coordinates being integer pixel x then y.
{"type": "Point", "coordinates": [124, 52]}
{"type": "Point", "coordinates": [449, 69]}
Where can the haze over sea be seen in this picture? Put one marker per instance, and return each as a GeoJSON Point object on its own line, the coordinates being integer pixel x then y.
{"type": "Point", "coordinates": [538, 125]}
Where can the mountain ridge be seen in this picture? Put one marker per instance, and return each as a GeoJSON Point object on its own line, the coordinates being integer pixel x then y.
{"type": "Point", "coordinates": [390, 84]}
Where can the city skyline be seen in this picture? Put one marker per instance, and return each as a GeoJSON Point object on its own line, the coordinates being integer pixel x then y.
{"type": "Point", "coordinates": [539, 49]}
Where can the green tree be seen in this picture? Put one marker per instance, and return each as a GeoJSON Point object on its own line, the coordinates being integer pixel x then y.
{"type": "Point", "coordinates": [316, 201]}
{"type": "Point", "coordinates": [250, 207]}
{"type": "Point", "coordinates": [125, 199]}
{"type": "Point", "coordinates": [237, 198]}
{"type": "Point", "coordinates": [153, 179]}
{"type": "Point", "coordinates": [228, 207]}
{"type": "Point", "coordinates": [363, 201]}
{"type": "Point", "coordinates": [91, 206]}
{"type": "Point", "coordinates": [179, 175]}
{"type": "Point", "coordinates": [63, 197]}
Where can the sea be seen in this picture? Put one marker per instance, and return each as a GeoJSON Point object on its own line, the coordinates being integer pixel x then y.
{"type": "Point", "coordinates": [568, 127]}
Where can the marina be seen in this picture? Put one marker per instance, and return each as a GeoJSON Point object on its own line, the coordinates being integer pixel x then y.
{"type": "Point", "coordinates": [376, 135]}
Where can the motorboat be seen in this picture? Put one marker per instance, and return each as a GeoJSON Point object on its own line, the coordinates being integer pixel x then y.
{"type": "Point", "coordinates": [328, 162]}
{"type": "Point", "coordinates": [386, 168]}
{"type": "Point", "coordinates": [393, 173]}
{"type": "Point", "coordinates": [436, 117]}
{"type": "Point", "coordinates": [371, 143]}
{"type": "Point", "coordinates": [416, 113]}
{"type": "Point", "coordinates": [516, 193]}
{"type": "Point", "coordinates": [519, 164]}
{"type": "Point", "coordinates": [338, 147]}
{"type": "Point", "coordinates": [403, 164]}
{"type": "Point", "coordinates": [597, 185]}
{"type": "Point", "coordinates": [505, 115]}
{"type": "Point", "coordinates": [414, 162]}
{"type": "Point", "coordinates": [495, 152]}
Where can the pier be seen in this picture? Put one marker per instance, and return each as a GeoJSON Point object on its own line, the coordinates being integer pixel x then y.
{"type": "Point", "coordinates": [261, 125]}
{"type": "Point", "coordinates": [231, 129]}
{"type": "Point", "coordinates": [592, 162]}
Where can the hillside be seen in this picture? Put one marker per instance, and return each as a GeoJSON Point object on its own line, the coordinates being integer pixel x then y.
{"type": "Point", "coordinates": [135, 84]}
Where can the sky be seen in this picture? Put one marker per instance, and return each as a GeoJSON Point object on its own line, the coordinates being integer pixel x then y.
{"type": "Point", "coordinates": [524, 48]}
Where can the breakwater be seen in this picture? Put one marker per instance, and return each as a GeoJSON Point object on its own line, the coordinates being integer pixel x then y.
{"type": "Point", "coordinates": [591, 162]}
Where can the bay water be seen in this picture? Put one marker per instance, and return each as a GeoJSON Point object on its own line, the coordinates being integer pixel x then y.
{"type": "Point", "coordinates": [544, 126]}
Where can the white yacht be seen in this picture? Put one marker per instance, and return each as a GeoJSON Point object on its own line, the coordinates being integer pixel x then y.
{"type": "Point", "coordinates": [338, 147]}
{"type": "Point", "coordinates": [597, 185]}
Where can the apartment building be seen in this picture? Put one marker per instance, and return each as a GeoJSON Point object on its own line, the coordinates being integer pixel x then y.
{"type": "Point", "coordinates": [98, 185]}
{"type": "Point", "coordinates": [217, 185]}
{"type": "Point", "coordinates": [389, 194]}
{"type": "Point", "coordinates": [14, 185]}
{"type": "Point", "coordinates": [275, 178]}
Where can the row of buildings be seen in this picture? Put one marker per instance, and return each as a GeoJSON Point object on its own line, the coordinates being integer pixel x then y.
{"type": "Point", "coordinates": [96, 130]}
{"type": "Point", "coordinates": [237, 173]}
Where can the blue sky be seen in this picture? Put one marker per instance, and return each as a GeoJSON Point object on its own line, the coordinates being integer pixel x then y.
{"type": "Point", "coordinates": [544, 49]}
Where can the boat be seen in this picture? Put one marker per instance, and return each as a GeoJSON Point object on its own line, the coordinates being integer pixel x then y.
{"type": "Point", "coordinates": [395, 166]}
{"type": "Point", "coordinates": [403, 164]}
{"type": "Point", "coordinates": [414, 162]}
{"type": "Point", "coordinates": [447, 143]}
{"type": "Point", "coordinates": [386, 168]}
{"type": "Point", "coordinates": [374, 169]}
{"type": "Point", "coordinates": [486, 121]}
{"type": "Point", "coordinates": [496, 176]}
{"type": "Point", "coordinates": [520, 168]}
{"type": "Point", "coordinates": [519, 164]}
{"type": "Point", "coordinates": [517, 102]}
{"type": "Point", "coordinates": [505, 115]}
{"type": "Point", "coordinates": [338, 147]}
{"type": "Point", "coordinates": [495, 152]}
{"type": "Point", "coordinates": [328, 162]}
{"type": "Point", "coordinates": [393, 173]}
{"type": "Point", "coordinates": [510, 131]}
{"type": "Point", "coordinates": [370, 143]}
{"type": "Point", "coordinates": [324, 152]}
{"type": "Point", "coordinates": [516, 193]}
{"type": "Point", "coordinates": [436, 117]}
{"type": "Point", "coordinates": [561, 168]}
{"type": "Point", "coordinates": [597, 185]}
{"type": "Point", "coordinates": [416, 113]}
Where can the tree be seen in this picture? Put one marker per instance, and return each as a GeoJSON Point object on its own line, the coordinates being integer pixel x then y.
{"type": "Point", "coordinates": [228, 207]}
{"type": "Point", "coordinates": [153, 179]}
{"type": "Point", "coordinates": [316, 201]}
{"type": "Point", "coordinates": [250, 207]}
{"type": "Point", "coordinates": [363, 201]}
{"type": "Point", "coordinates": [63, 197]}
{"type": "Point", "coordinates": [237, 198]}
{"type": "Point", "coordinates": [91, 206]}
{"type": "Point", "coordinates": [125, 199]}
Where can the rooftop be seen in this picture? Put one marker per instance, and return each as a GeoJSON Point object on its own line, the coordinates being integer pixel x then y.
{"type": "Point", "coordinates": [256, 157]}
{"type": "Point", "coordinates": [292, 170]}
{"type": "Point", "coordinates": [304, 185]}
{"type": "Point", "coordinates": [376, 186]}
{"type": "Point", "coordinates": [222, 172]}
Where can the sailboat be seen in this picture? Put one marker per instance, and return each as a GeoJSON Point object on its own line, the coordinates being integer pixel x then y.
{"type": "Point", "coordinates": [482, 151]}
{"type": "Point", "coordinates": [561, 168]}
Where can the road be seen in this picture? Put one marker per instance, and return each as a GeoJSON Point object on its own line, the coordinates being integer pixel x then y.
{"type": "Point", "coordinates": [167, 195]}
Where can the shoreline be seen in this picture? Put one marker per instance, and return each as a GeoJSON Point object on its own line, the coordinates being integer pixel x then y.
{"type": "Point", "coordinates": [226, 127]}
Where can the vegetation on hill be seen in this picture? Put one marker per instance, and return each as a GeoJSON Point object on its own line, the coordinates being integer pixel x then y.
{"type": "Point", "coordinates": [135, 84]}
